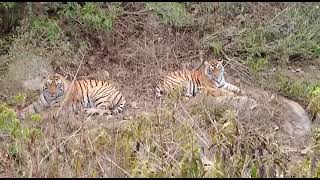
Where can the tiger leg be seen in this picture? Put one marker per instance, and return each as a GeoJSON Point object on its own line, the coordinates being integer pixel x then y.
{"type": "Point", "coordinates": [231, 87]}
{"type": "Point", "coordinates": [107, 101]}
{"type": "Point", "coordinates": [158, 91]}
{"type": "Point", "coordinates": [36, 107]}
{"type": "Point", "coordinates": [103, 110]}
{"type": "Point", "coordinates": [118, 109]}
{"type": "Point", "coordinates": [189, 89]}
{"type": "Point", "coordinates": [95, 111]}
{"type": "Point", "coordinates": [218, 92]}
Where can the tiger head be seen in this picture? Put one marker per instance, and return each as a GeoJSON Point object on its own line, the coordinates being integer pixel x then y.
{"type": "Point", "coordinates": [214, 69]}
{"type": "Point", "coordinates": [53, 86]}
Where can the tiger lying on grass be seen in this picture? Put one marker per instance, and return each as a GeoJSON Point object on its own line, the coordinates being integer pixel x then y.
{"type": "Point", "coordinates": [90, 96]}
{"type": "Point", "coordinates": [209, 79]}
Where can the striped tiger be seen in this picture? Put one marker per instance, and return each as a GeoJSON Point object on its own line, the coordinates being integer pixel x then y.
{"type": "Point", "coordinates": [209, 78]}
{"type": "Point", "coordinates": [90, 96]}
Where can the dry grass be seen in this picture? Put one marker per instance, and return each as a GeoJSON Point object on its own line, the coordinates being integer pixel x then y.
{"type": "Point", "coordinates": [170, 140]}
{"type": "Point", "coordinates": [200, 139]}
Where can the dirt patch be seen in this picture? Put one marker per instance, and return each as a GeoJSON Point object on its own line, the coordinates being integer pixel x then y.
{"type": "Point", "coordinates": [303, 69]}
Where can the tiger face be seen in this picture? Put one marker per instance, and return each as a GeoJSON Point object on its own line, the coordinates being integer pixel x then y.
{"type": "Point", "coordinates": [214, 69]}
{"type": "Point", "coordinates": [53, 87]}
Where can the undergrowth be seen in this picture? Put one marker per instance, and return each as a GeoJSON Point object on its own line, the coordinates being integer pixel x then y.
{"type": "Point", "coordinates": [171, 142]}
{"type": "Point", "coordinates": [92, 16]}
{"type": "Point", "coordinates": [173, 13]}
{"type": "Point", "coordinates": [300, 89]}
{"type": "Point", "coordinates": [71, 24]}
{"type": "Point", "coordinates": [290, 33]}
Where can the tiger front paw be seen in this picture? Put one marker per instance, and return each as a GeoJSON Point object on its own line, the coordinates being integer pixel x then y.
{"type": "Point", "coordinates": [228, 93]}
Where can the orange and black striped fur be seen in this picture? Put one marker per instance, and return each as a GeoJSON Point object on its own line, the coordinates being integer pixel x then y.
{"type": "Point", "coordinates": [208, 78]}
{"type": "Point", "coordinates": [90, 96]}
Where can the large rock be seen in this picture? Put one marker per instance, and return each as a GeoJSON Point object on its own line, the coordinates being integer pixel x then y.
{"type": "Point", "coordinates": [264, 110]}
{"type": "Point", "coordinates": [29, 70]}
{"type": "Point", "coordinates": [25, 74]}
{"type": "Point", "coordinates": [279, 118]}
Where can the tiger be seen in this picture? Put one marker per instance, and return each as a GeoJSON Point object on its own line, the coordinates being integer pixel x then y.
{"type": "Point", "coordinates": [209, 78]}
{"type": "Point", "coordinates": [88, 95]}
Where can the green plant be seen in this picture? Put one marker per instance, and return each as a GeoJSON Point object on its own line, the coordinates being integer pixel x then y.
{"type": "Point", "coordinates": [18, 99]}
{"type": "Point", "coordinates": [46, 28]}
{"type": "Point", "coordinates": [8, 5]}
{"type": "Point", "coordinates": [291, 33]}
{"type": "Point", "coordinates": [9, 16]}
{"type": "Point", "coordinates": [314, 96]}
{"type": "Point", "coordinates": [92, 15]}
{"type": "Point", "coordinates": [171, 13]}
{"type": "Point", "coordinates": [192, 165]}
{"type": "Point", "coordinates": [9, 123]}
{"type": "Point", "coordinates": [308, 91]}
{"type": "Point", "coordinates": [309, 166]}
{"type": "Point", "coordinates": [257, 64]}
{"type": "Point", "coordinates": [293, 88]}
{"type": "Point", "coordinates": [213, 42]}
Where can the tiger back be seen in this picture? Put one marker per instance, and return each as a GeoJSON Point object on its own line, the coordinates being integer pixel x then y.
{"type": "Point", "coordinates": [207, 78]}
{"type": "Point", "coordinates": [88, 95]}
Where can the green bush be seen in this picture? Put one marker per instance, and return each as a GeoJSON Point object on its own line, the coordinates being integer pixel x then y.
{"type": "Point", "coordinates": [303, 90]}
{"type": "Point", "coordinates": [314, 96]}
{"type": "Point", "coordinates": [92, 16]}
{"type": "Point", "coordinates": [46, 28]}
{"type": "Point", "coordinates": [257, 64]}
{"type": "Point", "coordinates": [290, 33]}
{"type": "Point", "coordinates": [8, 5]}
{"type": "Point", "coordinates": [171, 13]}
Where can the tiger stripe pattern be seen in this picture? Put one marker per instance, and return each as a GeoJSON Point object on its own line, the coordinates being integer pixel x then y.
{"type": "Point", "coordinates": [208, 78]}
{"type": "Point", "coordinates": [90, 96]}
